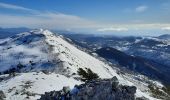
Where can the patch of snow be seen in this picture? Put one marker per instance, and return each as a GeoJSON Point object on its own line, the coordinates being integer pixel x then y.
{"type": "Point", "coordinates": [39, 84]}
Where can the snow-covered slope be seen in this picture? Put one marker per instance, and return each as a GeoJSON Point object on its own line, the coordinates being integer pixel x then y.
{"type": "Point", "coordinates": [73, 58]}
{"type": "Point", "coordinates": [27, 48]}
{"type": "Point", "coordinates": [31, 85]}
{"type": "Point", "coordinates": [39, 50]}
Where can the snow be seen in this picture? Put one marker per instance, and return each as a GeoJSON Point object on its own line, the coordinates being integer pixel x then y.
{"type": "Point", "coordinates": [41, 83]}
{"type": "Point", "coordinates": [4, 40]}
{"type": "Point", "coordinates": [71, 59]}
{"type": "Point", "coordinates": [80, 59]}
{"type": "Point", "coordinates": [76, 57]}
{"type": "Point", "coordinates": [16, 51]}
{"type": "Point", "coordinates": [125, 48]}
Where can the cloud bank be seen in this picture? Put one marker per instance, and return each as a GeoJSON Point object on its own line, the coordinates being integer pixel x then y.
{"type": "Point", "coordinates": [141, 8]}
{"type": "Point", "coordinates": [112, 29]}
{"type": "Point", "coordinates": [46, 20]}
{"type": "Point", "coordinates": [166, 28]}
{"type": "Point", "coordinates": [61, 21]}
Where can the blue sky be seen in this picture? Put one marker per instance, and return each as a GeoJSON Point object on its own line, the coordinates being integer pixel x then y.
{"type": "Point", "coordinates": [136, 17]}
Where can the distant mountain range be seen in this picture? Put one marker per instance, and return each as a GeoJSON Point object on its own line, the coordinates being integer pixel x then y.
{"type": "Point", "coordinates": [150, 55]}
{"type": "Point", "coordinates": [138, 64]}
{"type": "Point", "coordinates": [8, 32]}
{"type": "Point", "coordinates": [165, 36]}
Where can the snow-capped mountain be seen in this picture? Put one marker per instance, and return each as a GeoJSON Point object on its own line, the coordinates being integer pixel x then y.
{"type": "Point", "coordinates": [136, 64]}
{"type": "Point", "coordinates": [31, 54]}
{"type": "Point", "coordinates": [152, 48]}
{"type": "Point", "coordinates": [155, 50]}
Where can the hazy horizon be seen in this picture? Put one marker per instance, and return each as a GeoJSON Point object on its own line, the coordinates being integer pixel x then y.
{"type": "Point", "coordinates": [116, 17]}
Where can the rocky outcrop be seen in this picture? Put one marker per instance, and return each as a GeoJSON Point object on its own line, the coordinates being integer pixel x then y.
{"type": "Point", "coordinates": [2, 95]}
{"type": "Point", "coordinates": [106, 89]}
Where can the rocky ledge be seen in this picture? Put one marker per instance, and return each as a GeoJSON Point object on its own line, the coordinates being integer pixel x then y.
{"type": "Point", "coordinates": [105, 89]}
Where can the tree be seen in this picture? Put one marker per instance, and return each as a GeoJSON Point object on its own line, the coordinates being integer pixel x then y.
{"type": "Point", "coordinates": [87, 74]}
{"type": "Point", "coordinates": [82, 73]}
{"type": "Point", "coordinates": [91, 75]}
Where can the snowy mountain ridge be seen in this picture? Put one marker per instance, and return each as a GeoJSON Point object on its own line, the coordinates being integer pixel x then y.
{"type": "Point", "coordinates": [31, 52]}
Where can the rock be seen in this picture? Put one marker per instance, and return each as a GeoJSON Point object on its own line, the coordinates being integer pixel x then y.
{"type": "Point", "coordinates": [132, 89]}
{"type": "Point", "coordinates": [74, 91]}
{"type": "Point", "coordinates": [94, 90]}
{"type": "Point", "coordinates": [66, 89]}
{"type": "Point", "coordinates": [1, 79]}
{"type": "Point", "coordinates": [12, 74]}
{"type": "Point", "coordinates": [2, 95]}
{"type": "Point", "coordinates": [46, 72]}
{"type": "Point", "coordinates": [114, 82]}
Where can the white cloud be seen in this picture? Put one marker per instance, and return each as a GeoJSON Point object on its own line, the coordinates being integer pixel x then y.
{"type": "Point", "coordinates": [141, 8]}
{"type": "Point", "coordinates": [112, 29]}
{"type": "Point", "coordinates": [46, 20]}
{"type": "Point", "coordinates": [166, 28]}
{"type": "Point", "coordinates": [15, 7]}
{"type": "Point", "coordinates": [42, 19]}
{"type": "Point", "coordinates": [51, 20]}
{"type": "Point", "coordinates": [63, 21]}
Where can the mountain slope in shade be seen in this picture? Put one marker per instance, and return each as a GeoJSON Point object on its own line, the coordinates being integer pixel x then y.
{"type": "Point", "coordinates": [153, 48]}
{"type": "Point", "coordinates": [164, 36]}
{"type": "Point", "coordinates": [8, 32]}
{"type": "Point", "coordinates": [137, 64]}
{"type": "Point", "coordinates": [42, 50]}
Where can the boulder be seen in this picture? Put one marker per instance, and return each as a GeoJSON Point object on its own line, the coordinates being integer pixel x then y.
{"type": "Point", "coordinates": [2, 95]}
{"type": "Point", "coordinates": [114, 82]}
{"type": "Point", "coordinates": [131, 89]}
{"type": "Point", "coordinates": [66, 89]}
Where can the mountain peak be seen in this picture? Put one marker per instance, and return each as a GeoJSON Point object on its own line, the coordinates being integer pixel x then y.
{"type": "Point", "coordinates": [38, 31]}
{"type": "Point", "coordinates": [41, 50]}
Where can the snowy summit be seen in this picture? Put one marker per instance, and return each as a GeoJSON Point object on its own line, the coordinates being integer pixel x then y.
{"type": "Point", "coordinates": [43, 61]}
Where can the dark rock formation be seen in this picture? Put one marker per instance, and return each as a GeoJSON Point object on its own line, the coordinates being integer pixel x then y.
{"type": "Point", "coordinates": [106, 89]}
{"type": "Point", "coordinates": [2, 95]}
